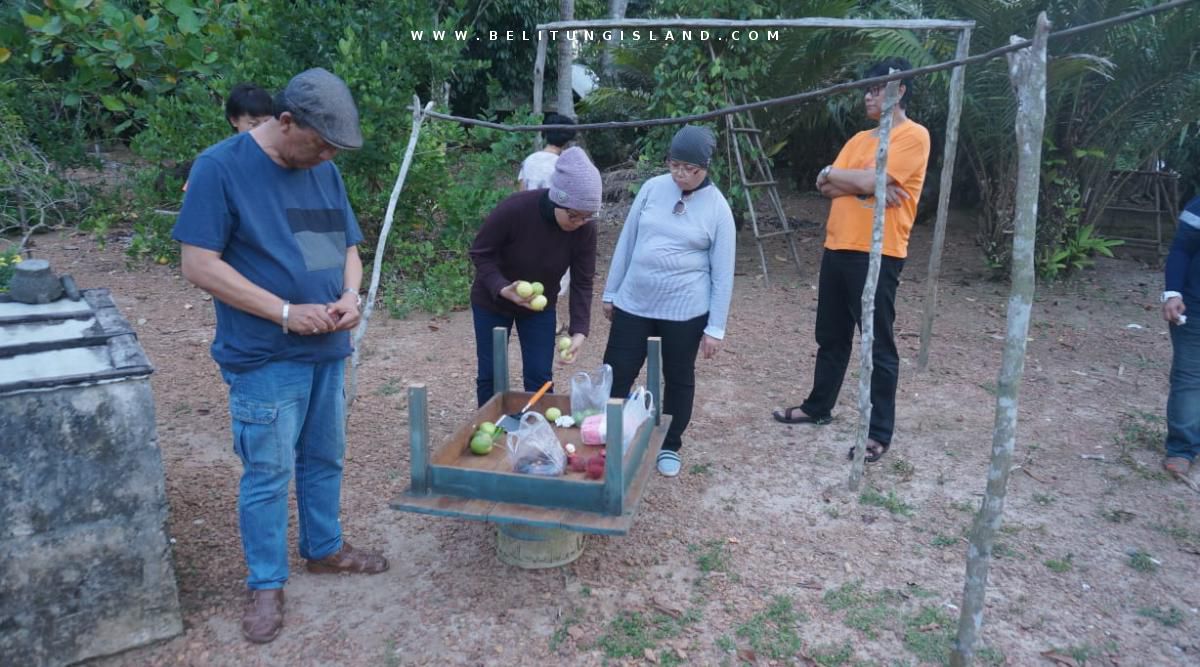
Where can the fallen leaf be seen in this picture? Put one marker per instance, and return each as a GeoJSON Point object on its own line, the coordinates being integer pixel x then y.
{"type": "Point", "coordinates": [734, 540]}
{"type": "Point", "coordinates": [1060, 659]}
{"type": "Point", "coordinates": [650, 655]}
{"type": "Point", "coordinates": [747, 655]}
{"type": "Point", "coordinates": [575, 632]}
{"type": "Point", "coordinates": [929, 627]}
{"type": "Point", "coordinates": [667, 607]}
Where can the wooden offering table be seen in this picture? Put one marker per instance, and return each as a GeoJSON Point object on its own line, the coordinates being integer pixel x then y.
{"type": "Point", "coordinates": [540, 520]}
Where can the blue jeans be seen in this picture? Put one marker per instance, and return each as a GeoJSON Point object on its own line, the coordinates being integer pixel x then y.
{"type": "Point", "coordinates": [536, 334]}
{"type": "Point", "coordinates": [1183, 402]}
{"type": "Point", "coordinates": [288, 417]}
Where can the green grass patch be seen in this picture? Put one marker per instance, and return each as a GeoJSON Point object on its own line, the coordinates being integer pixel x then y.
{"type": "Point", "coordinates": [1044, 499]}
{"type": "Point", "coordinates": [891, 502]}
{"type": "Point", "coordinates": [830, 655]}
{"type": "Point", "coordinates": [1142, 561]}
{"type": "Point", "coordinates": [632, 632]}
{"type": "Point", "coordinates": [772, 632]}
{"type": "Point", "coordinates": [701, 468]}
{"type": "Point", "coordinates": [928, 633]}
{"type": "Point", "coordinates": [1168, 616]}
{"type": "Point", "coordinates": [1060, 565]}
{"type": "Point", "coordinates": [712, 556]}
{"type": "Point", "coordinates": [1117, 515]}
{"type": "Point", "coordinates": [726, 643]}
{"type": "Point", "coordinates": [942, 541]}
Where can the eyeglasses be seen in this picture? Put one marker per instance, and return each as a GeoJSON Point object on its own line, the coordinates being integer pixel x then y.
{"type": "Point", "coordinates": [683, 168]}
{"type": "Point", "coordinates": [581, 217]}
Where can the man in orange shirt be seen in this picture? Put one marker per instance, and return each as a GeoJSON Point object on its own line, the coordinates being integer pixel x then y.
{"type": "Point", "coordinates": [850, 183]}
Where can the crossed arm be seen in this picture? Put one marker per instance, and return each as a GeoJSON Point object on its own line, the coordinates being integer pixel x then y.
{"type": "Point", "coordinates": [853, 182]}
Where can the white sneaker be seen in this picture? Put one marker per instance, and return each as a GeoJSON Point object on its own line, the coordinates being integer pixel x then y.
{"type": "Point", "coordinates": [669, 463]}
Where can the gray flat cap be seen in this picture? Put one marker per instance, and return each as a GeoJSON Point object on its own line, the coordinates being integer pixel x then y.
{"type": "Point", "coordinates": [320, 100]}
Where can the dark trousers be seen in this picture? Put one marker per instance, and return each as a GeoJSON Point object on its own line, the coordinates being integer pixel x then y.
{"type": "Point", "coordinates": [626, 352]}
{"type": "Point", "coordinates": [536, 334]}
{"type": "Point", "coordinates": [839, 312]}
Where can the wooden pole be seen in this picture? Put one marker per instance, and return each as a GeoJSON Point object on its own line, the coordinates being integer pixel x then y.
{"type": "Point", "coordinates": [539, 73]}
{"type": "Point", "coordinates": [616, 12]}
{"type": "Point", "coordinates": [566, 58]}
{"type": "Point", "coordinates": [957, 77]}
{"type": "Point", "coordinates": [1027, 69]}
{"type": "Point", "coordinates": [866, 346]}
{"type": "Point", "coordinates": [418, 438]}
{"type": "Point", "coordinates": [381, 245]}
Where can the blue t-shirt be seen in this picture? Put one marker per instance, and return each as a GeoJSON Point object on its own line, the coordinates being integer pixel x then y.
{"type": "Point", "coordinates": [285, 230]}
{"type": "Point", "coordinates": [1183, 269]}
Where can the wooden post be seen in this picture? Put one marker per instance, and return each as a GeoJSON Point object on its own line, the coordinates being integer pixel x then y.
{"type": "Point", "coordinates": [957, 75]}
{"type": "Point", "coordinates": [381, 246]}
{"type": "Point", "coordinates": [499, 361]}
{"type": "Point", "coordinates": [654, 373]}
{"type": "Point", "coordinates": [566, 58]}
{"type": "Point", "coordinates": [418, 438]}
{"type": "Point", "coordinates": [614, 468]}
{"type": "Point", "coordinates": [1027, 69]}
{"type": "Point", "coordinates": [539, 73]}
{"type": "Point", "coordinates": [866, 346]}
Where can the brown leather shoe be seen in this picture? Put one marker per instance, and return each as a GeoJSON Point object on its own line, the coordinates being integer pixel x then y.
{"type": "Point", "coordinates": [349, 560]}
{"type": "Point", "coordinates": [262, 617]}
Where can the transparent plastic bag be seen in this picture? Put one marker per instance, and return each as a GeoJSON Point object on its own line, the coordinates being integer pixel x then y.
{"type": "Point", "coordinates": [589, 391]}
{"type": "Point", "coordinates": [534, 449]}
{"type": "Point", "coordinates": [638, 408]}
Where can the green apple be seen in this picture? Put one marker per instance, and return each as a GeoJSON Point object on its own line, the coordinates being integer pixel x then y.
{"type": "Point", "coordinates": [524, 289]}
{"type": "Point", "coordinates": [565, 355]}
{"type": "Point", "coordinates": [481, 444]}
{"type": "Point", "coordinates": [538, 303]}
{"type": "Point", "coordinates": [564, 343]}
{"type": "Point", "coordinates": [488, 427]}
{"type": "Point", "coordinates": [553, 414]}
{"type": "Point", "coordinates": [538, 288]}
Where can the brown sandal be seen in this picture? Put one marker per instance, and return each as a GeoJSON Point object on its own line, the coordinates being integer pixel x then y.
{"type": "Point", "coordinates": [349, 560]}
{"type": "Point", "coordinates": [789, 416]}
{"type": "Point", "coordinates": [875, 451]}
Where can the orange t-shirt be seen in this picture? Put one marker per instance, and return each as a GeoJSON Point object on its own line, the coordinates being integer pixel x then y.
{"type": "Point", "coordinates": [851, 216]}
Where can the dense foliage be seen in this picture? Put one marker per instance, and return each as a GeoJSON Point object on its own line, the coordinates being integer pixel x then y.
{"type": "Point", "coordinates": [78, 77]}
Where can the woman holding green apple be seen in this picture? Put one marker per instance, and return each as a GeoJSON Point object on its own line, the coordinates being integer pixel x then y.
{"type": "Point", "coordinates": [531, 239]}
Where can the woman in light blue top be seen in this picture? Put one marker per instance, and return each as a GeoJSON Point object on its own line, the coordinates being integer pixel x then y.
{"type": "Point", "coordinates": [672, 276]}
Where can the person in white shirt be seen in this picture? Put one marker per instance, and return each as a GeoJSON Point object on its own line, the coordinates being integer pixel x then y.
{"type": "Point", "coordinates": [672, 276]}
{"type": "Point", "coordinates": [538, 167]}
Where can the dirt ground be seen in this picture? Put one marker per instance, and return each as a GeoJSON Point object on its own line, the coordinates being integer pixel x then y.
{"type": "Point", "coordinates": [756, 553]}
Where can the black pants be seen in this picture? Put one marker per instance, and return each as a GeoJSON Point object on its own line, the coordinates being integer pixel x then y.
{"type": "Point", "coordinates": [626, 352]}
{"type": "Point", "coordinates": [839, 311]}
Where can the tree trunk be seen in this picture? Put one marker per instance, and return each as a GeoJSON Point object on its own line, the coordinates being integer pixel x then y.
{"type": "Point", "coordinates": [566, 58]}
{"type": "Point", "coordinates": [867, 321]}
{"type": "Point", "coordinates": [381, 246]}
{"type": "Point", "coordinates": [943, 210]}
{"type": "Point", "coordinates": [1027, 68]}
{"type": "Point", "coordinates": [616, 11]}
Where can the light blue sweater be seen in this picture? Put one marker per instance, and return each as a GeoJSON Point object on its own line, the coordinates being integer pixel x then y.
{"type": "Point", "coordinates": [675, 267]}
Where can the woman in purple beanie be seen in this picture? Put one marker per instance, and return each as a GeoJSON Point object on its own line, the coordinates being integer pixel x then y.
{"type": "Point", "coordinates": [535, 236]}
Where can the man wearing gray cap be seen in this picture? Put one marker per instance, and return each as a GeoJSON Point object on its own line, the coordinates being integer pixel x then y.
{"type": "Point", "coordinates": [266, 228]}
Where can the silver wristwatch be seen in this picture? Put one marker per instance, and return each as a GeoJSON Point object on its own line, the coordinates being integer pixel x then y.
{"type": "Point", "coordinates": [357, 296]}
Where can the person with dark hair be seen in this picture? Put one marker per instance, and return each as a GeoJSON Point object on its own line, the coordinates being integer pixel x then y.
{"type": "Point", "coordinates": [1182, 294]}
{"type": "Point", "coordinates": [535, 236]}
{"type": "Point", "coordinates": [247, 107]}
{"type": "Point", "coordinates": [538, 167]}
{"type": "Point", "coordinates": [850, 183]}
{"type": "Point", "coordinates": [267, 230]}
{"type": "Point", "coordinates": [672, 276]}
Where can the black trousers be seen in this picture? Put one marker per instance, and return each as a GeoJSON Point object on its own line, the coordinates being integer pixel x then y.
{"type": "Point", "coordinates": [626, 352]}
{"type": "Point", "coordinates": [839, 312]}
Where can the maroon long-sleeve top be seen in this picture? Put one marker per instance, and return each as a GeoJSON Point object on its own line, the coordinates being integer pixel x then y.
{"type": "Point", "coordinates": [520, 240]}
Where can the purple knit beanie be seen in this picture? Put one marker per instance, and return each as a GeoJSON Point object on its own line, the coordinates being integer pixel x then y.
{"type": "Point", "coordinates": [575, 183]}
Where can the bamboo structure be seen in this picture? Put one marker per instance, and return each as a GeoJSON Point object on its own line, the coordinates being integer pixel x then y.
{"type": "Point", "coordinates": [566, 58]}
{"type": "Point", "coordinates": [377, 267]}
{"type": "Point", "coordinates": [1027, 69]}
{"type": "Point", "coordinates": [866, 326]}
